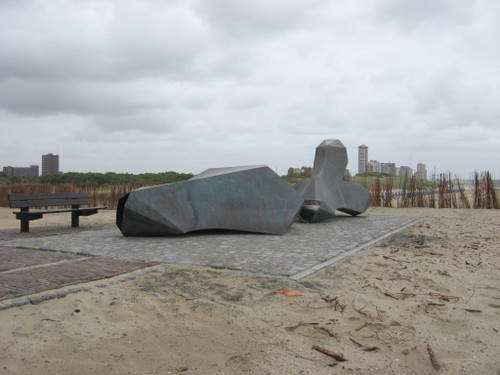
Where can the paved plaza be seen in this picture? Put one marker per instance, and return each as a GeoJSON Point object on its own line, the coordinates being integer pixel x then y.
{"type": "Point", "coordinates": [304, 249]}
{"type": "Point", "coordinates": [25, 272]}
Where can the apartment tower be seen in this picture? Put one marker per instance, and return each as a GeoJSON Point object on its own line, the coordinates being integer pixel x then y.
{"type": "Point", "coordinates": [50, 165]}
{"type": "Point", "coordinates": [362, 158]}
{"type": "Point", "coordinates": [421, 171]}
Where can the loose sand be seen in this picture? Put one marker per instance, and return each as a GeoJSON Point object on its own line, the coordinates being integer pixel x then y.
{"type": "Point", "coordinates": [436, 284]}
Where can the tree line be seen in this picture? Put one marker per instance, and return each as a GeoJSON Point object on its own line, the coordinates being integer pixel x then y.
{"type": "Point", "coordinates": [109, 178]}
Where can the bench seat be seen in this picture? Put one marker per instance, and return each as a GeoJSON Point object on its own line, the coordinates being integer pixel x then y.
{"type": "Point", "coordinates": [87, 211]}
{"type": "Point", "coordinates": [25, 201]}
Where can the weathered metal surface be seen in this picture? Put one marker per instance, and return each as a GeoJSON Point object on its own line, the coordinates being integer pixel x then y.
{"type": "Point", "coordinates": [325, 192]}
{"type": "Point", "coordinates": [249, 198]}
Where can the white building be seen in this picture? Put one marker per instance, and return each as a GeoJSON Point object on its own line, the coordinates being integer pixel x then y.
{"type": "Point", "coordinates": [421, 171]}
{"type": "Point", "coordinates": [389, 168]}
{"type": "Point", "coordinates": [362, 158]}
{"type": "Point", "coordinates": [405, 171]}
{"type": "Point", "coordinates": [374, 166]}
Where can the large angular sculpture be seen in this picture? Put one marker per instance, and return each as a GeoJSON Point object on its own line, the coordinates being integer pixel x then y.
{"type": "Point", "coordinates": [326, 191]}
{"type": "Point", "coordinates": [250, 198]}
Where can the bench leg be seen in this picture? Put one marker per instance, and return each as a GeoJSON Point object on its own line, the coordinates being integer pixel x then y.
{"type": "Point", "coordinates": [25, 226]}
{"type": "Point", "coordinates": [25, 223]}
{"type": "Point", "coordinates": [75, 219]}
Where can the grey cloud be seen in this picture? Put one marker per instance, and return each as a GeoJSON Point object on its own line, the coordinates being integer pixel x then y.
{"type": "Point", "coordinates": [75, 42]}
{"type": "Point", "coordinates": [245, 101]}
{"type": "Point", "coordinates": [447, 99]}
{"type": "Point", "coordinates": [153, 122]}
{"type": "Point", "coordinates": [196, 84]}
{"type": "Point", "coordinates": [409, 14]}
{"type": "Point", "coordinates": [26, 97]}
{"type": "Point", "coordinates": [249, 19]}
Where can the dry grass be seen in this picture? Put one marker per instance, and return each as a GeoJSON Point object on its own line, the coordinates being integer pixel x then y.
{"type": "Point", "coordinates": [449, 193]}
{"type": "Point", "coordinates": [101, 195]}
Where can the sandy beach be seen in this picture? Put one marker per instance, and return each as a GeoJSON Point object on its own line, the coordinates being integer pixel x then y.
{"type": "Point", "coordinates": [424, 301]}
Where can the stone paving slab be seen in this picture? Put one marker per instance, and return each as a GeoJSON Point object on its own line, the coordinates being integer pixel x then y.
{"type": "Point", "coordinates": [28, 281]}
{"type": "Point", "coordinates": [305, 246]}
{"type": "Point", "coordinates": [12, 258]}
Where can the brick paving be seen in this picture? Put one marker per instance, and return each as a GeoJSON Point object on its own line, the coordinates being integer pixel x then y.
{"type": "Point", "coordinates": [12, 258]}
{"type": "Point", "coordinates": [52, 276]}
{"type": "Point", "coordinates": [27, 271]}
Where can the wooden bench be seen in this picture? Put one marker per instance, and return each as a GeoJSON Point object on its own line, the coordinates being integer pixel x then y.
{"type": "Point", "coordinates": [75, 200]}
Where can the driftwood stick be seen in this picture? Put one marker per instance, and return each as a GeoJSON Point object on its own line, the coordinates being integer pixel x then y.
{"type": "Point", "coordinates": [394, 259]}
{"type": "Point", "coordinates": [293, 328]}
{"type": "Point", "coordinates": [364, 347]}
{"type": "Point", "coordinates": [337, 356]}
{"type": "Point", "coordinates": [444, 297]}
{"type": "Point", "coordinates": [390, 295]}
{"type": "Point", "coordinates": [363, 326]}
{"type": "Point", "coordinates": [432, 253]}
{"type": "Point", "coordinates": [433, 359]}
{"type": "Point", "coordinates": [356, 342]}
{"type": "Point", "coordinates": [326, 331]}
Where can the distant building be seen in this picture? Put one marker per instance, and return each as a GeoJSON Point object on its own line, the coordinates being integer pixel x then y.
{"type": "Point", "coordinates": [50, 165]}
{"type": "Point", "coordinates": [389, 168]}
{"type": "Point", "coordinates": [22, 172]}
{"type": "Point", "coordinates": [374, 166]}
{"type": "Point", "coordinates": [405, 171]}
{"type": "Point", "coordinates": [421, 171]}
{"type": "Point", "coordinates": [362, 158]}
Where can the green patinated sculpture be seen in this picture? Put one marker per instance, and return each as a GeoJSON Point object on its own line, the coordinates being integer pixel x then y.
{"type": "Point", "coordinates": [325, 192]}
{"type": "Point", "coordinates": [249, 198]}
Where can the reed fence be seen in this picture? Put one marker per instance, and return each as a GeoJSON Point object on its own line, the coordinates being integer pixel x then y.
{"type": "Point", "coordinates": [101, 195]}
{"type": "Point", "coordinates": [446, 192]}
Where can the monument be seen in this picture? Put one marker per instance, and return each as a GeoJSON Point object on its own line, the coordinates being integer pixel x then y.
{"type": "Point", "coordinates": [325, 192]}
{"type": "Point", "coordinates": [248, 198]}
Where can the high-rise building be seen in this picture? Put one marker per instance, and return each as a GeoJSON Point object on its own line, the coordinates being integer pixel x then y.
{"type": "Point", "coordinates": [405, 171]}
{"type": "Point", "coordinates": [374, 166]}
{"type": "Point", "coordinates": [388, 168]}
{"type": "Point", "coordinates": [21, 172]}
{"type": "Point", "coordinates": [362, 158]}
{"type": "Point", "coordinates": [50, 164]}
{"type": "Point", "coordinates": [421, 171]}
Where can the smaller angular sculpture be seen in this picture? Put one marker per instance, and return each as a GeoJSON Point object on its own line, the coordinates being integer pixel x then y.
{"type": "Point", "coordinates": [326, 191]}
{"type": "Point", "coordinates": [250, 198]}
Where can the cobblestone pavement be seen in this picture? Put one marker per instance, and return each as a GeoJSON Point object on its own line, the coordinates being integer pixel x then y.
{"type": "Point", "coordinates": [14, 233]}
{"type": "Point", "coordinates": [305, 247]}
{"type": "Point", "coordinates": [24, 271]}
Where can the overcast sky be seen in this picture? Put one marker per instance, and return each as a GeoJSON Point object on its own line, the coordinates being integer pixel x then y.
{"type": "Point", "coordinates": [136, 86]}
